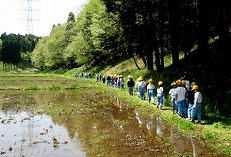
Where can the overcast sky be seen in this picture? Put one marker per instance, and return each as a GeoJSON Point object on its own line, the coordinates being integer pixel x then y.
{"type": "Point", "coordinates": [45, 13]}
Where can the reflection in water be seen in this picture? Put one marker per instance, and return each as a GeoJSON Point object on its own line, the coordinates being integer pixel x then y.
{"type": "Point", "coordinates": [180, 144]}
{"type": "Point", "coordinates": [150, 122]}
{"type": "Point", "coordinates": [159, 126]}
{"type": "Point", "coordinates": [24, 134]}
{"type": "Point", "coordinates": [104, 129]}
{"type": "Point", "coordinates": [140, 118]}
{"type": "Point", "coordinates": [149, 125]}
{"type": "Point", "coordinates": [120, 104]}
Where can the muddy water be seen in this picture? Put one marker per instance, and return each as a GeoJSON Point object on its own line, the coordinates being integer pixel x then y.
{"type": "Point", "coordinates": [77, 123]}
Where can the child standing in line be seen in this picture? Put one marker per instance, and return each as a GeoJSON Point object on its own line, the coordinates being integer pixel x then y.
{"type": "Point", "coordinates": [160, 95]}
{"type": "Point", "coordinates": [141, 88]}
{"type": "Point", "coordinates": [185, 107]}
{"type": "Point", "coordinates": [130, 84]}
{"type": "Point", "coordinates": [136, 87]}
{"type": "Point", "coordinates": [172, 93]}
{"type": "Point", "coordinates": [180, 98]}
{"type": "Point", "coordinates": [190, 98]}
{"type": "Point", "coordinates": [121, 80]}
{"type": "Point", "coordinates": [197, 105]}
{"type": "Point", "coordinates": [150, 91]}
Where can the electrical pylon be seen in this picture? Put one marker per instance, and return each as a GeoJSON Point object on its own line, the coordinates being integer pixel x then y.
{"type": "Point", "coordinates": [29, 16]}
{"type": "Point", "coordinates": [29, 28]}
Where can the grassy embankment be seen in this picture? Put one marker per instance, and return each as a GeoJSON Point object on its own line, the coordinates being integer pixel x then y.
{"type": "Point", "coordinates": [215, 131]}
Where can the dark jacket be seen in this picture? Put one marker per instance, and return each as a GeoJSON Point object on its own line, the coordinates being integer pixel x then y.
{"type": "Point", "coordinates": [130, 83]}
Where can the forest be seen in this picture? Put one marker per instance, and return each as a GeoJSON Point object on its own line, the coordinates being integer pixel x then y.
{"type": "Point", "coordinates": [108, 31]}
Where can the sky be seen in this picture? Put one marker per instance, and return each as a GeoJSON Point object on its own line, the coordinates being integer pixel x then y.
{"type": "Point", "coordinates": [42, 15]}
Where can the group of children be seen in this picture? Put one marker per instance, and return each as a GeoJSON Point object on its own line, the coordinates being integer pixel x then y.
{"type": "Point", "coordinates": [141, 86]}
{"type": "Point", "coordinates": [186, 100]}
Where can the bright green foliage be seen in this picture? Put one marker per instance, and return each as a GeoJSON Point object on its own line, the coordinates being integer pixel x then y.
{"type": "Point", "coordinates": [55, 46]}
{"type": "Point", "coordinates": [88, 40]}
{"type": "Point", "coordinates": [38, 56]}
{"type": "Point", "coordinates": [84, 21]}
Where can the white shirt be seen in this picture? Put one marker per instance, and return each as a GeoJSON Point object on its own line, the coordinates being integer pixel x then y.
{"type": "Point", "coordinates": [136, 84]}
{"type": "Point", "coordinates": [187, 84]}
{"type": "Point", "coordinates": [172, 92]}
{"type": "Point", "coordinates": [160, 90]}
{"type": "Point", "coordinates": [141, 84]}
{"type": "Point", "coordinates": [150, 86]}
{"type": "Point", "coordinates": [197, 97]}
{"type": "Point", "coordinates": [180, 93]}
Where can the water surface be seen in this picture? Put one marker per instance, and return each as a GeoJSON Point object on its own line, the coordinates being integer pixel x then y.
{"type": "Point", "coordinates": [79, 123]}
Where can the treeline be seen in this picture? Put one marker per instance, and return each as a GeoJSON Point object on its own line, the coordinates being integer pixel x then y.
{"type": "Point", "coordinates": [108, 30]}
{"type": "Point", "coordinates": [16, 49]}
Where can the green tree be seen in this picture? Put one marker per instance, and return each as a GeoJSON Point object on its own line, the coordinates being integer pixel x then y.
{"type": "Point", "coordinates": [87, 52]}
{"type": "Point", "coordinates": [55, 48]}
{"type": "Point", "coordinates": [71, 17]}
{"type": "Point", "coordinates": [38, 57]}
{"type": "Point", "coordinates": [11, 50]}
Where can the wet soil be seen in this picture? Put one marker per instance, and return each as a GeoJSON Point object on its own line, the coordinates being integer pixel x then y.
{"type": "Point", "coordinates": [79, 123]}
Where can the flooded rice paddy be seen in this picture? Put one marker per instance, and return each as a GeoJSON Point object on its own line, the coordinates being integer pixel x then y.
{"type": "Point", "coordinates": [78, 123]}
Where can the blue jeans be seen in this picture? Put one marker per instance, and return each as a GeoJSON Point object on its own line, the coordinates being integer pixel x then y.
{"type": "Point", "coordinates": [141, 92]}
{"type": "Point", "coordinates": [108, 82]}
{"type": "Point", "coordinates": [151, 95]}
{"type": "Point", "coordinates": [197, 112]}
{"type": "Point", "coordinates": [190, 110]}
{"type": "Point", "coordinates": [130, 90]}
{"type": "Point", "coordinates": [181, 107]}
{"type": "Point", "coordinates": [173, 105]}
{"type": "Point", "coordinates": [185, 113]}
{"type": "Point", "coordinates": [160, 100]}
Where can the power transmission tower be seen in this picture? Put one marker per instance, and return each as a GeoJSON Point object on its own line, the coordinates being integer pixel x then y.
{"type": "Point", "coordinates": [29, 28]}
{"type": "Point", "coordinates": [29, 16]}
